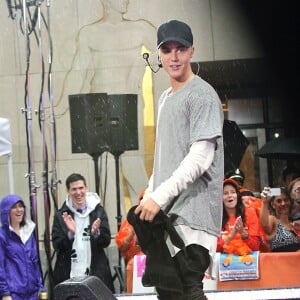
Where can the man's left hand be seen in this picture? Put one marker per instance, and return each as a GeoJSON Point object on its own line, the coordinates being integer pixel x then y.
{"type": "Point", "coordinates": [96, 226]}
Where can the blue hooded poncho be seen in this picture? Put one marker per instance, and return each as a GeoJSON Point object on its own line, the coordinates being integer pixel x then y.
{"type": "Point", "coordinates": [20, 274]}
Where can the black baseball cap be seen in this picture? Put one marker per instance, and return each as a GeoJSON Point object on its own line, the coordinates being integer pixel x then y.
{"type": "Point", "coordinates": [175, 31]}
{"type": "Point", "coordinates": [237, 175]}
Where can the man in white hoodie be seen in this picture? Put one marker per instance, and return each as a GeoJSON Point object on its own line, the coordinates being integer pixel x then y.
{"type": "Point", "coordinates": [80, 233]}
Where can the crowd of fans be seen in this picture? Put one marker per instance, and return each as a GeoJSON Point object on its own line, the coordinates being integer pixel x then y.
{"type": "Point", "coordinates": [269, 223]}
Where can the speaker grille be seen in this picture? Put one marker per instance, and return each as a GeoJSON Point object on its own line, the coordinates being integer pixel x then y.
{"type": "Point", "coordinates": [101, 122]}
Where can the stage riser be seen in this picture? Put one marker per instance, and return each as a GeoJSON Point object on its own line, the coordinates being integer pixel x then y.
{"type": "Point", "coordinates": [277, 294]}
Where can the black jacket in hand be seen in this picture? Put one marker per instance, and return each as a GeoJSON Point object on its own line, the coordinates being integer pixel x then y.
{"type": "Point", "coordinates": [160, 269]}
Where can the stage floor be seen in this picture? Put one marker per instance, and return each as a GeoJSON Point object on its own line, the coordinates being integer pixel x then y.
{"type": "Point", "coordinates": [259, 294]}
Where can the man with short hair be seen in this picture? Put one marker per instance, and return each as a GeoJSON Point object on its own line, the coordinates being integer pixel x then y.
{"type": "Point", "coordinates": [188, 170]}
{"type": "Point", "coordinates": [80, 233]}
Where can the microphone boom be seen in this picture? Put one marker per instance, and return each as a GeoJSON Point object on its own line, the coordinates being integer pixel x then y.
{"type": "Point", "coordinates": [146, 58]}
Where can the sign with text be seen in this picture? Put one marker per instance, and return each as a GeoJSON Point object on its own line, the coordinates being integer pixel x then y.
{"type": "Point", "coordinates": [235, 267]}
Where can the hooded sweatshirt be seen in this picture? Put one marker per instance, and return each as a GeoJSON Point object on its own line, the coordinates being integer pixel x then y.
{"type": "Point", "coordinates": [84, 254]}
{"type": "Point", "coordinates": [20, 274]}
{"type": "Point", "coordinates": [81, 250]}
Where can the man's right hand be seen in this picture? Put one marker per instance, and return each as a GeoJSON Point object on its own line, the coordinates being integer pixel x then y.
{"type": "Point", "coordinates": [70, 223]}
{"type": "Point", "coordinates": [148, 209]}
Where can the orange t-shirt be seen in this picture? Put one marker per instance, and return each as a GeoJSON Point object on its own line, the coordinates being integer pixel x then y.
{"type": "Point", "coordinates": [123, 233]}
{"type": "Point", "coordinates": [256, 204]}
{"type": "Point", "coordinates": [252, 226]}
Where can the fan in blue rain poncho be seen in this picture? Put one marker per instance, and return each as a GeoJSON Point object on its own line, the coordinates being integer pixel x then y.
{"type": "Point", "coordinates": [20, 274]}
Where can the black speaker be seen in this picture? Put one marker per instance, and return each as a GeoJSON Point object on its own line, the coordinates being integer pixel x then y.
{"type": "Point", "coordinates": [83, 288]}
{"type": "Point", "coordinates": [101, 122]}
{"type": "Point", "coordinates": [123, 122]}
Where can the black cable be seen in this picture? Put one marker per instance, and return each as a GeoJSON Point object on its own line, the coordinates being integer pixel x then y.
{"type": "Point", "coordinates": [11, 12]}
{"type": "Point", "coordinates": [105, 177]}
{"type": "Point", "coordinates": [30, 154]}
{"type": "Point", "coordinates": [146, 58]}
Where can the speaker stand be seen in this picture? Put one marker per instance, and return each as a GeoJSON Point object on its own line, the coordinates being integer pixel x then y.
{"type": "Point", "coordinates": [95, 157]}
{"type": "Point", "coordinates": [118, 269]}
{"type": "Point", "coordinates": [117, 168]}
{"type": "Point", "coordinates": [116, 155]}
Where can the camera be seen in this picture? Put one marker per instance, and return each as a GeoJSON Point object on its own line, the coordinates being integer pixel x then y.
{"type": "Point", "coordinates": [275, 191]}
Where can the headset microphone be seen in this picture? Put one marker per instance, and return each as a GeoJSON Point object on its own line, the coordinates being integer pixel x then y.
{"type": "Point", "coordinates": [159, 62]}
{"type": "Point", "coordinates": [146, 58]}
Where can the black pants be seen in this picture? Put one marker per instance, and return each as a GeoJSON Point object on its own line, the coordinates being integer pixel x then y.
{"type": "Point", "coordinates": [191, 268]}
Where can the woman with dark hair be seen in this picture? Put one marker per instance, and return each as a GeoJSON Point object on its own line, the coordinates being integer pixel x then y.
{"type": "Point", "coordinates": [294, 192]}
{"type": "Point", "coordinates": [20, 274]}
{"type": "Point", "coordinates": [240, 225]}
{"type": "Point", "coordinates": [275, 218]}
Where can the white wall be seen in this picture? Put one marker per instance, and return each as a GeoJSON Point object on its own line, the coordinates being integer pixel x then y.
{"type": "Point", "coordinates": [220, 32]}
